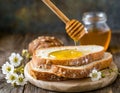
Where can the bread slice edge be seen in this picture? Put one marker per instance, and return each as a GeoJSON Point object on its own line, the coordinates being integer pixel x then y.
{"type": "Point", "coordinates": [76, 72]}
{"type": "Point", "coordinates": [88, 58]}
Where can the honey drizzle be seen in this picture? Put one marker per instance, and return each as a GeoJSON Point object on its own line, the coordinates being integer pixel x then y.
{"type": "Point", "coordinates": [77, 43]}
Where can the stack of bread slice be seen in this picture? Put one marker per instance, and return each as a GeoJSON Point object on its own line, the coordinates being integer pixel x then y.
{"type": "Point", "coordinates": [47, 67]}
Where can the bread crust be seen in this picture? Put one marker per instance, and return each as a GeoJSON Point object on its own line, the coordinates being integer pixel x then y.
{"type": "Point", "coordinates": [81, 73]}
{"type": "Point", "coordinates": [44, 42]}
{"type": "Point", "coordinates": [45, 76]}
{"type": "Point", "coordinates": [76, 72]}
{"type": "Point", "coordinates": [37, 61]}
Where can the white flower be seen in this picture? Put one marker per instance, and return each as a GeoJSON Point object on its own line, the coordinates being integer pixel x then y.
{"type": "Point", "coordinates": [95, 75]}
{"type": "Point", "coordinates": [7, 68]}
{"type": "Point", "coordinates": [11, 78]}
{"type": "Point", "coordinates": [21, 80]}
{"type": "Point", "coordinates": [15, 59]}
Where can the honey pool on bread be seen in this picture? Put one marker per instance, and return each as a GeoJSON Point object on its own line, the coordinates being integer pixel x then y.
{"type": "Point", "coordinates": [66, 54]}
{"type": "Point", "coordinates": [62, 53]}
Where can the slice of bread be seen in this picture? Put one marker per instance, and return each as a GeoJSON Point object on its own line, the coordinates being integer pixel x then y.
{"type": "Point", "coordinates": [72, 72]}
{"type": "Point", "coordinates": [45, 75]}
{"type": "Point", "coordinates": [90, 53]}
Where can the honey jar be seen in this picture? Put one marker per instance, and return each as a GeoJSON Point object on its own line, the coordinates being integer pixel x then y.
{"type": "Point", "coordinates": [99, 32]}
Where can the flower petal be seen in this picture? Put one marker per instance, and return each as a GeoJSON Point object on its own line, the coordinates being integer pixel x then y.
{"type": "Point", "coordinates": [21, 80]}
{"type": "Point", "coordinates": [15, 59]}
{"type": "Point", "coordinates": [7, 68]}
{"type": "Point", "coordinates": [95, 75]}
{"type": "Point", "coordinates": [11, 78]}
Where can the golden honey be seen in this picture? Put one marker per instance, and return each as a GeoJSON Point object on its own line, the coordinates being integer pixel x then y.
{"type": "Point", "coordinates": [66, 54]}
{"type": "Point", "coordinates": [96, 37]}
{"type": "Point", "coordinates": [99, 32]}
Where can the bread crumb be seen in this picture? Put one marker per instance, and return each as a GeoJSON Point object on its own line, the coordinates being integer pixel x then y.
{"type": "Point", "coordinates": [64, 72]}
{"type": "Point", "coordinates": [74, 75]}
{"type": "Point", "coordinates": [86, 60]}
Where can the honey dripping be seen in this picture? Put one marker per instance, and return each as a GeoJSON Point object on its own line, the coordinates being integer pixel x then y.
{"type": "Point", "coordinates": [76, 42]}
{"type": "Point", "coordinates": [99, 32]}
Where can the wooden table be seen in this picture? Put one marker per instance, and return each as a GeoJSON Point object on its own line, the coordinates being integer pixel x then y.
{"type": "Point", "coordinates": [16, 42]}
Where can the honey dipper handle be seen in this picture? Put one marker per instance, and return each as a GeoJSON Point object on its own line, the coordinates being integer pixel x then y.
{"type": "Point", "coordinates": [56, 11]}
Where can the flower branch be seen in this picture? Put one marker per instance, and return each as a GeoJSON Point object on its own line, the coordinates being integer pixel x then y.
{"type": "Point", "coordinates": [14, 68]}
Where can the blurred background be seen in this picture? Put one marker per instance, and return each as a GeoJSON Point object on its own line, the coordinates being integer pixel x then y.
{"type": "Point", "coordinates": [34, 16]}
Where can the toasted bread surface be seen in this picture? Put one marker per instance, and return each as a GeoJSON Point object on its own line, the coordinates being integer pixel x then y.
{"type": "Point", "coordinates": [90, 54]}
{"type": "Point", "coordinates": [74, 72]}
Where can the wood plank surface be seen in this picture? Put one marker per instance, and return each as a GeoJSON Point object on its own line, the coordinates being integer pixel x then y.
{"type": "Point", "coordinates": [16, 42]}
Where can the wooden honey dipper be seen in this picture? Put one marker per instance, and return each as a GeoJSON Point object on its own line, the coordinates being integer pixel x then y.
{"type": "Point", "coordinates": [74, 28]}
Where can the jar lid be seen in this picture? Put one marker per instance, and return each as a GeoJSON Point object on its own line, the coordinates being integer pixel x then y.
{"type": "Point", "coordinates": [91, 17]}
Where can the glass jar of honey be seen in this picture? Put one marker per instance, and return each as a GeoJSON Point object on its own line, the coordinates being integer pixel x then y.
{"type": "Point", "coordinates": [99, 32]}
